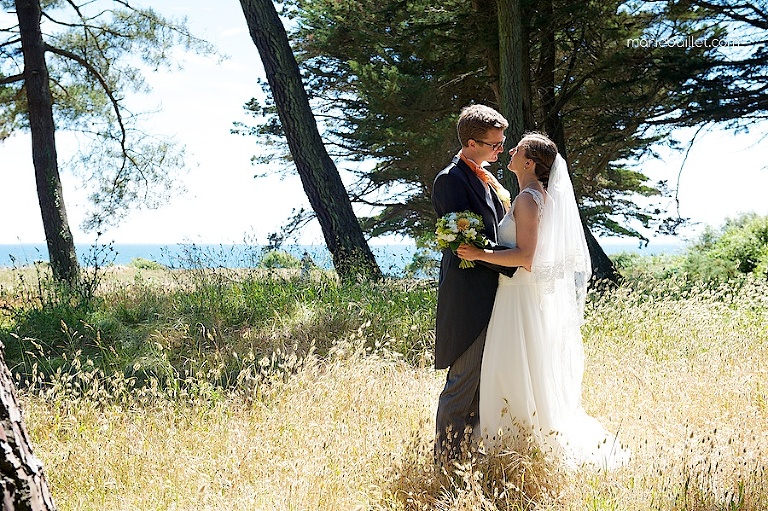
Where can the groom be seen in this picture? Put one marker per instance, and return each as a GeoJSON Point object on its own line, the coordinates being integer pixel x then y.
{"type": "Point", "coordinates": [465, 296]}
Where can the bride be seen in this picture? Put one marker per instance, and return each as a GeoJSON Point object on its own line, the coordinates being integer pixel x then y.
{"type": "Point", "coordinates": [533, 361]}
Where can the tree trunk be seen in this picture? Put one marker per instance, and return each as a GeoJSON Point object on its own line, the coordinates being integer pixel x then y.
{"type": "Point", "coordinates": [603, 269]}
{"type": "Point", "coordinates": [23, 483]}
{"type": "Point", "coordinates": [326, 193]}
{"type": "Point", "coordinates": [511, 87]}
{"type": "Point", "coordinates": [553, 125]}
{"type": "Point", "coordinates": [61, 246]}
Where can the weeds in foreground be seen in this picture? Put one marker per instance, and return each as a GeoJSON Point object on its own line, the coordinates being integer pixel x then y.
{"type": "Point", "coordinates": [168, 324]}
{"type": "Point", "coordinates": [679, 373]}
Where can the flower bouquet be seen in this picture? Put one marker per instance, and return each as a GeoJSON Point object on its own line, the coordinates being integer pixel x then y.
{"type": "Point", "coordinates": [455, 229]}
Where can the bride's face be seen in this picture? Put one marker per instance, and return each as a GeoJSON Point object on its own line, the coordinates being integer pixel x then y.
{"type": "Point", "coordinates": [517, 163]}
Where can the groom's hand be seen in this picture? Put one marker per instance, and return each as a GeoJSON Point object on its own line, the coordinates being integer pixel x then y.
{"type": "Point", "coordinates": [507, 271]}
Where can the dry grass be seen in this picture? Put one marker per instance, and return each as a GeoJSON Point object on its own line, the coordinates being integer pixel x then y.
{"type": "Point", "coordinates": [682, 379]}
{"type": "Point", "coordinates": [326, 438]}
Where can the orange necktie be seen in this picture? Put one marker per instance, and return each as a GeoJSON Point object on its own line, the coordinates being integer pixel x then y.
{"type": "Point", "coordinates": [488, 179]}
{"type": "Point", "coordinates": [482, 174]}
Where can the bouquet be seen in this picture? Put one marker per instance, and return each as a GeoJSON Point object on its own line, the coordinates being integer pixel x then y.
{"type": "Point", "coordinates": [455, 229]}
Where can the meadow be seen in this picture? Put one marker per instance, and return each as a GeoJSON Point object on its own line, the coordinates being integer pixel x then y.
{"type": "Point", "coordinates": [246, 389]}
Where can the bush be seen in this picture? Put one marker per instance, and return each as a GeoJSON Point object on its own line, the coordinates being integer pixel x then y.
{"type": "Point", "coordinates": [279, 259]}
{"type": "Point", "coordinates": [145, 264]}
{"type": "Point", "coordinates": [425, 262]}
{"type": "Point", "coordinates": [738, 248]}
{"type": "Point", "coordinates": [207, 320]}
{"type": "Point", "coordinates": [635, 267]}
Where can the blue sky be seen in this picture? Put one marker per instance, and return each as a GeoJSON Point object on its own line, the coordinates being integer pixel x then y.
{"type": "Point", "coordinates": [725, 174]}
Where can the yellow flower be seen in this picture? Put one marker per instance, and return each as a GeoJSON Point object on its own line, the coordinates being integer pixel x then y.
{"type": "Point", "coordinates": [462, 224]}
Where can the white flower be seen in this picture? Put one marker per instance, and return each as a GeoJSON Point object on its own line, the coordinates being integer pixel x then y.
{"type": "Point", "coordinates": [455, 228]}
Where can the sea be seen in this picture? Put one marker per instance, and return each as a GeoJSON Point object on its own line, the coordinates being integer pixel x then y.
{"type": "Point", "coordinates": [392, 258]}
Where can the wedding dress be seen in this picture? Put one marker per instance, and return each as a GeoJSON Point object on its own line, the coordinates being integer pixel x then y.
{"type": "Point", "coordinates": [533, 361]}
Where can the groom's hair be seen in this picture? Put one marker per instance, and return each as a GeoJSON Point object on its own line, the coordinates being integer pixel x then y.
{"type": "Point", "coordinates": [476, 120]}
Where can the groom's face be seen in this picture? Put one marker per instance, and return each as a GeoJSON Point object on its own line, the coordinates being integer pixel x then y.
{"type": "Point", "coordinates": [491, 145]}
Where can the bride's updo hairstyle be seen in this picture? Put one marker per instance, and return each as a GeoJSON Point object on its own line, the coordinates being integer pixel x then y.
{"type": "Point", "coordinates": [540, 149]}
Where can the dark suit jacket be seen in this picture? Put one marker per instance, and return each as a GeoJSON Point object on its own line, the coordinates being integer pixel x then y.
{"type": "Point", "coordinates": [465, 296]}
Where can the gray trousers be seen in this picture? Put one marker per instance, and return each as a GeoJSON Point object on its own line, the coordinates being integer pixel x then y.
{"type": "Point", "coordinates": [459, 405]}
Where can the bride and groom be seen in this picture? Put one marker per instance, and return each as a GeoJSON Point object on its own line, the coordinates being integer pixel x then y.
{"type": "Point", "coordinates": [508, 329]}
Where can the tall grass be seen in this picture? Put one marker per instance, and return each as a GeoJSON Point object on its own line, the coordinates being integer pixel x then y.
{"type": "Point", "coordinates": [312, 395]}
{"type": "Point", "coordinates": [172, 323]}
{"type": "Point", "coordinates": [690, 368]}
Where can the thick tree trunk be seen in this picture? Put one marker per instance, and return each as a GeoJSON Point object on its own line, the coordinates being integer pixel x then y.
{"type": "Point", "coordinates": [512, 94]}
{"type": "Point", "coordinates": [61, 246]}
{"type": "Point", "coordinates": [603, 269]}
{"type": "Point", "coordinates": [553, 124]}
{"type": "Point", "coordinates": [22, 481]}
{"type": "Point", "coordinates": [329, 199]}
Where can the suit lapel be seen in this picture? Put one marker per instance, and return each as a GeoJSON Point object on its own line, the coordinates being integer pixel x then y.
{"type": "Point", "coordinates": [474, 183]}
{"type": "Point", "coordinates": [479, 189]}
{"type": "Point", "coordinates": [498, 208]}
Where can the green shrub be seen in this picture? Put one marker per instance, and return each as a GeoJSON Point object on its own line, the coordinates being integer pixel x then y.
{"type": "Point", "coordinates": [279, 259]}
{"type": "Point", "coordinates": [738, 248]}
{"type": "Point", "coordinates": [145, 264]}
{"type": "Point", "coordinates": [634, 267]}
{"type": "Point", "coordinates": [207, 320]}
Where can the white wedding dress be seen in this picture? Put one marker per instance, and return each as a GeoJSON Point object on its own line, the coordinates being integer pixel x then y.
{"type": "Point", "coordinates": [530, 383]}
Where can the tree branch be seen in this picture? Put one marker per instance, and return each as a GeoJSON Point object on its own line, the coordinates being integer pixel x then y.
{"type": "Point", "coordinates": [84, 24]}
{"type": "Point", "coordinates": [57, 22]}
{"type": "Point", "coordinates": [732, 12]}
{"type": "Point", "coordinates": [96, 74]}
{"type": "Point", "coordinates": [107, 90]}
{"type": "Point", "coordinates": [682, 165]}
{"type": "Point", "coordinates": [11, 79]}
{"type": "Point", "coordinates": [80, 13]}
{"type": "Point", "coordinates": [10, 42]}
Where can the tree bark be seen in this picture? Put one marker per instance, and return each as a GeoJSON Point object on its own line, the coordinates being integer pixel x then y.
{"type": "Point", "coordinates": [603, 269]}
{"type": "Point", "coordinates": [553, 124]}
{"type": "Point", "coordinates": [22, 481]}
{"type": "Point", "coordinates": [326, 193]}
{"type": "Point", "coordinates": [61, 246]}
{"type": "Point", "coordinates": [511, 87]}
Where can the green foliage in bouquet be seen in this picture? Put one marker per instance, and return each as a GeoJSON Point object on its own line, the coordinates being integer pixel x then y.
{"type": "Point", "coordinates": [456, 229]}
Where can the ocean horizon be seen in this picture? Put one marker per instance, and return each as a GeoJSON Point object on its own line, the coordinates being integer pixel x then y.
{"type": "Point", "coordinates": [392, 258]}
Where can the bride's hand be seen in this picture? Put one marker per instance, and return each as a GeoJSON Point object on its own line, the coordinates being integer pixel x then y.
{"type": "Point", "coordinates": [469, 252]}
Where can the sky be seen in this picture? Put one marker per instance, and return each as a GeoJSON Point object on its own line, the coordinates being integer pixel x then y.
{"type": "Point", "coordinates": [725, 174]}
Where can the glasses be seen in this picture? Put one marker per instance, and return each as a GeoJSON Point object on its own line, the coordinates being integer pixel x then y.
{"type": "Point", "coordinates": [496, 146]}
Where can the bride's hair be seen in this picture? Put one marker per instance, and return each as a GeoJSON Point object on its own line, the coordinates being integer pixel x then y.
{"type": "Point", "coordinates": [540, 149]}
